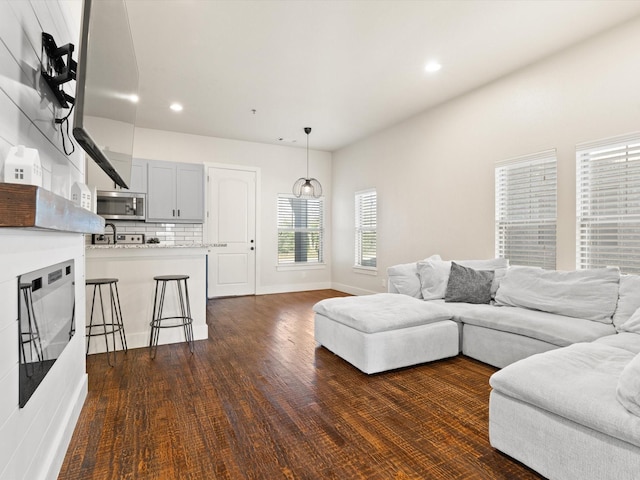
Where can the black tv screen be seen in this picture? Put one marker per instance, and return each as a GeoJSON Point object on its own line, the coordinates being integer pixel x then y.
{"type": "Point", "coordinates": [106, 88]}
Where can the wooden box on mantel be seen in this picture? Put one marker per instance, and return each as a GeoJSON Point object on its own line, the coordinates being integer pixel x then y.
{"type": "Point", "coordinates": [29, 206]}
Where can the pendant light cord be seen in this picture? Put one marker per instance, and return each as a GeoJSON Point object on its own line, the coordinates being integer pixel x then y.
{"type": "Point", "coordinates": [307, 155]}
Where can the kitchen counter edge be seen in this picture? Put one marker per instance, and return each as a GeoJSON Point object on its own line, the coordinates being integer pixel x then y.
{"type": "Point", "coordinates": [146, 246]}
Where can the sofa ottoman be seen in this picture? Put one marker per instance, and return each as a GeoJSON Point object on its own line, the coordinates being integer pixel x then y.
{"type": "Point", "coordinates": [557, 412]}
{"type": "Point", "coordinates": [385, 331]}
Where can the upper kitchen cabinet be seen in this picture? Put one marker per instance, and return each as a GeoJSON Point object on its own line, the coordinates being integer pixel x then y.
{"type": "Point", "coordinates": [97, 178]}
{"type": "Point", "coordinates": [175, 192]}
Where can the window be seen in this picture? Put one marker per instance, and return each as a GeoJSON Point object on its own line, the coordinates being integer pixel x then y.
{"type": "Point", "coordinates": [300, 230]}
{"type": "Point", "coordinates": [526, 210]}
{"type": "Point", "coordinates": [608, 204]}
{"type": "Point", "coordinates": [366, 229]}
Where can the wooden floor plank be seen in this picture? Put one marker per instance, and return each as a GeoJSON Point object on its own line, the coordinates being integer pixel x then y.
{"type": "Point", "coordinates": [259, 400]}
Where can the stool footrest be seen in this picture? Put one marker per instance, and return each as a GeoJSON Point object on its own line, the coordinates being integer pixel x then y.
{"type": "Point", "coordinates": [114, 327]}
{"type": "Point", "coordinates": [185, 321]}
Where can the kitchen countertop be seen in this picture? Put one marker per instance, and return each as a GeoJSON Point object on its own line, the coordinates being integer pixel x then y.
{"type": "Point", "coordinates": [146, 246]}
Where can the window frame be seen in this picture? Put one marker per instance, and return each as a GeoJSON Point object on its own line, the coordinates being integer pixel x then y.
{"type": "Point", "coordinates": [526, 213]}
{"type": "Point", "coordinates": [608, 203]}
{"type": "Point", "coordinates": [296, 265]}
{"type": "Point", "coordinates": [359, 229]}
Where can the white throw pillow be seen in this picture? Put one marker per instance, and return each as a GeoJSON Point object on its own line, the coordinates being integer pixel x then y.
{"type": "Point", "coordinates": [434, 274]}
{"type": "Point", "coordinates": [628, 391]}
{"type": "Point", "coordinates": [405, 278]}
{"type": "Point", "coordinates": [628, 299]}
{"type": "Point", "coordinates": [632, 324]}
{"type": "Point", "coordinates": [588, 294]}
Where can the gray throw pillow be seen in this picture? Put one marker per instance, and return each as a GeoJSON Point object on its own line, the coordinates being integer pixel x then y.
{"type": "Point", "coordinates": [468, 285]}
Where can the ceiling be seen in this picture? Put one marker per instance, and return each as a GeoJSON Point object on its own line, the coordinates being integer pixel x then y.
{"type": "Point", "coordinates": [345, 68]}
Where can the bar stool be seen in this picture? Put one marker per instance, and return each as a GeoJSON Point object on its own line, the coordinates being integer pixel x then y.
{"type": "Point", "coordinates": [31, 335]}
{"type": "Point", "coordinates": [183, 320]}
{"type": "Point", "coordinates": [107, 328]}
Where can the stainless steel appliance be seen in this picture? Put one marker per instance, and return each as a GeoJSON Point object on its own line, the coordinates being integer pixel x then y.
{"type": "Point", "coordinates": [121, 239]}
{"type": "Point", "coordinates": [121, 205]}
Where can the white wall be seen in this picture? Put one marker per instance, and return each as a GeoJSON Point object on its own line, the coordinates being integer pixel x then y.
{"type": "Point", "coordinates": [434, 172]}
{"type": "Point", "coordinates": [33, 440]}
{"type": "Point", "coordinates": [280, 167]}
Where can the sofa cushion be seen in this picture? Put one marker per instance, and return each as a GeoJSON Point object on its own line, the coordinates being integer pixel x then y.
{"type": "Point", "coordinates": [628, 299]}
{"type": "Point", "coordinates": [624, 340]}
{"type": "Point", "coordinates": [458, 310]}
{"type": "Point", "coordinates": [556, 329]}
{"type": "Point", "coordinates": [587, 294]}
{"type": "Point", "coordinates": [628, 391]}
{"type": "Point", "coordinates": [434, 274]}
{"type": "Point", "coordinates": [468, 285]}
{"type": "Point", "coordinates": [405, 279]}
{"type": "Point", "coordinates": [381, 312]}
{"type": "Point", "coordinates": [578, 383]}
{"type": "Point", "coordinates": [632, 325]}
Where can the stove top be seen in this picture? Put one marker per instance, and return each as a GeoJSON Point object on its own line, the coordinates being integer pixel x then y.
{"type": "Point", "coordinates": [122, 239]}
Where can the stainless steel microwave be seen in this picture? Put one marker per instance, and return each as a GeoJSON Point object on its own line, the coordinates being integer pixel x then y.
{"type": "Point", "coordinates": [121, 205]}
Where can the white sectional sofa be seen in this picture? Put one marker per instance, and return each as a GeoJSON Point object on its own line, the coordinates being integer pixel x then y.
{"type": "Point", "coordinates": [566, 342]}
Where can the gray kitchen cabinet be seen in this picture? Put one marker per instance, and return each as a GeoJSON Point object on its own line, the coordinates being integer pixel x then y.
{"type": "Point", "coordinates": [97, 178]}
{"type": "Point", "coordinates": [175, 192]}
{"type": "Point", "coordinates": [138, 176]}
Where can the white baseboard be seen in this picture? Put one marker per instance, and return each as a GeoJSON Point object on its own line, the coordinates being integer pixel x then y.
{"type": "Point", "coordinates": [297, 287]}
{"type": "Point", "coordinates": [351, 289]}
{"type": "Point", "coordinates": [71, 419]}
{"type": "Point", "coordinates": [139, 340]}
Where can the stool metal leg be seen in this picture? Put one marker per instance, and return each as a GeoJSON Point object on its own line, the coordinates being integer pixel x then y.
{"type": "Point", "coordinates": [158, 319]}
{"type": "Point", "coordinates": [93, 302]}
{"type": "Point", "coordinates": [104, 323]}
{"type": "Point", "coordinates": [157, 314]}
{"type": "Point", "coordinates": [115, 299]}
{"type": "Point", "coordinates": [188, 331]}
{"type": "Point", "coordinates": [186, 314]}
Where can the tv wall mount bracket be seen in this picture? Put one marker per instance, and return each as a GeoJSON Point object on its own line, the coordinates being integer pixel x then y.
{"type": "Point", "coordinates": [55, 71]}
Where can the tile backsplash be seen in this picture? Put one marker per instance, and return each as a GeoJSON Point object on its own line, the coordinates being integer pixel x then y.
{"type": "Point", "coordinates": [167, 233]}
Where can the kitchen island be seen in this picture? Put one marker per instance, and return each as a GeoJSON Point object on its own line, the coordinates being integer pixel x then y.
{"type": "Point", "coordinates": [135, 266]}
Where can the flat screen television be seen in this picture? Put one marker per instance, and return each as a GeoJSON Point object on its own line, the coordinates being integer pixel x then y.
{"type": "Point", "coordinates": [106, 88]}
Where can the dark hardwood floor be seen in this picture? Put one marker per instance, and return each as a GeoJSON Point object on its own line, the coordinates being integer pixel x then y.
{"type": "Point", "coordinates": [258, 400]}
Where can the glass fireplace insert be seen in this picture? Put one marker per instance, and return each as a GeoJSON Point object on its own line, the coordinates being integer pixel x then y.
{"type": "Point", "coordinates": [46, 322]}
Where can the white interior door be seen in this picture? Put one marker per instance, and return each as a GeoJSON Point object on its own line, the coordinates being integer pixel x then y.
{"type": "Point", "coordinates": [232, 231]}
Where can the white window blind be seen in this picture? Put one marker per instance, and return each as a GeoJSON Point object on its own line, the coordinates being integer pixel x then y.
{"type": "Point", "coordinates": [526, 209]}
{"type": "Point", "coordinates": [366, 229]}
{"type": "Point", "coordinates": [608, 203]}
{"type": "Point", "coordinates": [300, 230]}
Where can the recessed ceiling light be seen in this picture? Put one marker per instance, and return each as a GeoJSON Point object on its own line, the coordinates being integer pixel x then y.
{"type": "Point", "coordinates": [432, 66]}
{"type": "Point", "coordinates": [176, 107]}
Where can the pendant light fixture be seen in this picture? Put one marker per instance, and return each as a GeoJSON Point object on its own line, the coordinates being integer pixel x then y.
{"type": "Point", "coordinates": [307, 187]}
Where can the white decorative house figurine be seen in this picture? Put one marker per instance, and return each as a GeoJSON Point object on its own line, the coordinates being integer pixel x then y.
{"type": "Point", "coordinates": [22, 165]}
{"type": "Point", "coordinates": [81, 195]}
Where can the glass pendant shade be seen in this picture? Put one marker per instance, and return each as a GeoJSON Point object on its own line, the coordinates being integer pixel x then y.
{"type": "Point", "coordinates": [306, 187]}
